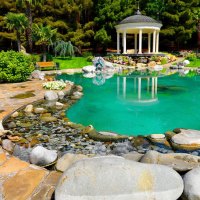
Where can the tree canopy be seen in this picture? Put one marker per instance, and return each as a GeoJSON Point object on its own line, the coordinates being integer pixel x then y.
{"type": "Point", "coordinates": [83, 22]}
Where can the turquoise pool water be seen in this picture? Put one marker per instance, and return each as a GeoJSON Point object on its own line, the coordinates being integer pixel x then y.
{"type": "Point", "coordinates": [131, 105]}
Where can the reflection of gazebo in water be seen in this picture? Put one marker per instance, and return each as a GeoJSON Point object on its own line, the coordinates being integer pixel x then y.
{"type": "Point", "coordinates": [138, 25]}
{"type": "Point", "coordinates": [147, 94]}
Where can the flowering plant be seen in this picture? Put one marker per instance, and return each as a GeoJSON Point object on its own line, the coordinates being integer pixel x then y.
{"type": "Point", "coordinates": [54, 85]}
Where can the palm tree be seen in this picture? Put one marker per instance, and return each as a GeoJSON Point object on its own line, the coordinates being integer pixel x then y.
{"type": "Point", "coordinates": [17, 22]}
{"type": "Point", "coordinates": [44, 36]}
{"type": "Point", "coordinates": [28, 4]}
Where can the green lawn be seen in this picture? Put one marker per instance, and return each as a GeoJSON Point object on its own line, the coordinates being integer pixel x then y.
{"type": "Point", "coordinates": [75, 62]}
{"type": "Point", "coordinates": [195, 63]}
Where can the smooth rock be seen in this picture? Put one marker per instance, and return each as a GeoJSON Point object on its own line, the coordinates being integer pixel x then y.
{"type": "Point", "coordinates": [29, 109]}
{"type": "Point", "coordinates": [37, 74]}
{"type": "Point", "coordinates": [11, 125]}
{"type": "Point", "coordinates": [178, 161]}
{"type": "Point", "coordinates": [88, 69]}
{"type": "Point", "coordinates": [51, 96]}
{"type": "Point", "coordinates": [42, 156]}
{"type": "Point", "coordinates": [7, 145]}
{"type": "Point", "coordinates": [187, 140]}
{"type": "Point", "coordinates": [48, 119]}
{"type": "Point", "coordinates": [79, 88]}
{"type": "Point", "coordinates": [15, 114]}
{"type": "Point", "coordinates": [112, 177]}
{"type": "Point", "coordinates": [157, 136]}
{"type": "Point", "coordinates": [122, 148]}
{"type": "Point", "coordinates": [192, 184]}
{"type": "Point", "coordinates": [134, 156]}
{"type": "Point", "coordinates": [67, 160]}
{"type": "Point", "coordinates": [61, 94]}
{"type": "Point", "coordinates": [59, 105]}
{"type": "Point", "coordinates": [39, 110]}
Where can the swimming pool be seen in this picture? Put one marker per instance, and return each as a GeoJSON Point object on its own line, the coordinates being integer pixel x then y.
{"type": "Point", "coordinates": [138, 104]}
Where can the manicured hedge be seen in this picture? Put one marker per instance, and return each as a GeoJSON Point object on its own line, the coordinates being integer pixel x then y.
{"type": "Point", "coordinates": [14, 67]}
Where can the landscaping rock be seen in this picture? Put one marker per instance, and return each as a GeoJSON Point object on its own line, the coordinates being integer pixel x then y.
{"type": "Point", "coordinates": [22, 153]}
{"type": "Point", "coordinates": [29, 109]}
{"type": "Point", "coordinates": [42, 156]}
{"type": "Point", "coordinates": [114, 177]}
{"type": "Point", "coordinates": [134, 156]}
{"type": "Point", "coordinates": [61, 95]}
{"type": "Point", "coordinates": [37, 74]}
{"type": "Point", "coordinates": [188, 140]}
{"type": "Point", "coordinates": [39, 110]}
{"type": "Point", "coordinates": [59, 105]}
{"type": "Point", "coordinates": [122, 148]}
{"type": "Point", "coordinates": [67, 160]}
{"type": "Point", "coordinates": [159, 140]}
{"type": "Point", "coordinates": [11, 125]}
{"type": "Point", "coordinates": [89, 69]}
{"type": "Point", "coordinates": [51, 96]}
{"type": "Point", "coordinates": [15, 114]}
{"type": "Point", "coordinates": [192, 184]}
{"type": "Point", "coordinates": [48, 119]}
{"type": "Point", "coordinates": [178, 161]}
{"type": "Point", "coordinates": [7, 145]}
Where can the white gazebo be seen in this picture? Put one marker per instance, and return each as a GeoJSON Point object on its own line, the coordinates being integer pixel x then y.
{"type": "Point", "coordinates": [138, 25]}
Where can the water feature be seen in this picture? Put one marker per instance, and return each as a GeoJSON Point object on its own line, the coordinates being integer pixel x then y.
{"type": "Point", "coordinates": [138, 103]}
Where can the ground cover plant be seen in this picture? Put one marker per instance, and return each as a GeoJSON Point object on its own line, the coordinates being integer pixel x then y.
{"type": "Point", "coordinates": [14, 67]}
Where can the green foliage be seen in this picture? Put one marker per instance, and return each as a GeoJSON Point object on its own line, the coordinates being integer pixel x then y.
{"type": "Point", "coordinates": [74, 62]}
{"type": "Point", "coordinates": [64, 49]}
{"type": "Point", "coordinates": [164, 61]}
{"type": "Point", "coordinates": [102, 38]}
{"type": "Point", "coordinates": [90, 58]}
{"type": "Point", "coordinates": [87, 54]}
{"type": "Point", "coordinates": [191, 57]}
{"type": "Point", "coordinates": [14, 67]}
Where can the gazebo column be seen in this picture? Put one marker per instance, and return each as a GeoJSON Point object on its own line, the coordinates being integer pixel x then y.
{"type": "Point", "coordinates": [149, 42]}
{"type": "Point", "coordinates": [135, 42]}
{"type": "Point", "coordinates": [140, 41]}
{"type": "Point", "coordinates": [124, 42]}
{"type": "Point", "coordinates": [157, 41]}
{"type": "Point", "coordinates": [154, 41]}
{"type": "Point", "coordinates": [118, 42]}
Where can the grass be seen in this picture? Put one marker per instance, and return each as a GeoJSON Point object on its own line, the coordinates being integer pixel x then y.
{"type": "Point", "coordinates": [194, 63]}
{"type": "Point", "coordinates": [74, 62]}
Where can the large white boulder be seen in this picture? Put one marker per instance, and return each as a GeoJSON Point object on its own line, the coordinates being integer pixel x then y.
{"type": "Point", "coordinates": [42, 156]}
{"type": "Point", "coordinates": [111, 177]}
{"type": "Point", "coordinates": [192, 184]}
{"type": "Point", "coordinates": [89, 69]}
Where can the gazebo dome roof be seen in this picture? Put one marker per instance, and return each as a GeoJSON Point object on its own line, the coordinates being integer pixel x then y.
{"type": "Point", "coordinates": [139, 18]}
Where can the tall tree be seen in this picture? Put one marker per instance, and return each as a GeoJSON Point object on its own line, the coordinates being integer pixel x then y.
{"type": "Point", "coordinates": [17, 22]}
{"type": "Point", "coordinates": [28, 12]}
{"type": "Point", "coordinates": [44, 36]}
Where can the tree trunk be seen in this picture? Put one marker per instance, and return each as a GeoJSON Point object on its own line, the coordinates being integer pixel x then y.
{"type": "Point", "coordinates": [198, 34]}
{"type": "Point", "coordinates": [44, 53]}
{"type": "Point", "coordinates": [29, 28]}
{"type": "Point", "coordinates": [18, 41]}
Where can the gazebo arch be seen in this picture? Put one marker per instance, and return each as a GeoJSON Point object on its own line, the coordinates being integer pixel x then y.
{"type": "Point", "coordinates": [138, 25]}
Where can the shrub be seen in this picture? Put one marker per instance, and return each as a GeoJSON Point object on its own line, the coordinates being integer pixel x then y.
{"type": "Point", "coordinates": [163, 61]}
{"type": "Point", "coordinates": [191, 57]}
{"type": "Point", "coordinates": [86, 54]}
{"type": "Point", "coordinates": [14, 67]}
{"type": "Point", "coordinates": [54, 85]}
{"type": "Point", "coordinates": [90, 58]}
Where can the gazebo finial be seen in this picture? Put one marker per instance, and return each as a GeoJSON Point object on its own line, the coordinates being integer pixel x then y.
{"type": "Point", "coordinates": [138, 9]}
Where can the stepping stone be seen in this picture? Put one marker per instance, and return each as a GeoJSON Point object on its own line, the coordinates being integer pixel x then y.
{"type": "Point", "coordinates": [113, 177]}
{"type": "Point", "coordinates": [22, 185]}
{"type": "Point", "coordinates": [187, 140]}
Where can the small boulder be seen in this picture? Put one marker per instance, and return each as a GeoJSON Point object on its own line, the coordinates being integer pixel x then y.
{"type": "Point", "coordinates": [42, 156]}
{"type": "Point", "coordinates": [134, 156]}
{"type": "Point", "coordinates": [15, 114]}
{"type": "Point", "coordinates": [29, 109]}
{"type": "Point", "coordinates": [67, 160]}
{"type": "Point", "coordinates": [37, 74]}
{"type": "Point", "coordinates": [51, 96]}
{"type": "Point", "coordinates": [48, 119]}
{"type": "Point", "coordinates": [192, 185]}
{"type": "Point", "coordinates": [7, 145]}
{"type": "Point", "coordinates": [61, 95]}
{"type": "Point", "coordinates": [39, 110]}
{"type": "Point", "coordinates": [122, 148]}
{"type": "Point", "coordinates": [178, 161]}
{"type": "Point", "coordinates": [11, 125]}
{"type": "Point", "coordinates": [59, 105]}
{"type": "Point", "coordinates": [111, 177]}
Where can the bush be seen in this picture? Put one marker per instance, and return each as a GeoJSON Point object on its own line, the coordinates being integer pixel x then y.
{"type": "Point", "coordinates": [14, 67]}
{"type": "Point", "coordinates": [191, 57]}
{"type": "Point", "coordinates": [86, 54]}
{"type": "Point", "coordinates": [90, 58]}
{"type": "Point", "coordinates": [163, 61]}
